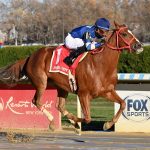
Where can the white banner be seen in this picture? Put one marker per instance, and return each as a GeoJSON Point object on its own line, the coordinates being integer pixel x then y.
{"type": "Point", "coordinates": [136, 116]}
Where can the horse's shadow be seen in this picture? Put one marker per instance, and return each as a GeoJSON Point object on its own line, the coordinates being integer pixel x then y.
{"type": "Point", "coordinates": [95, 126]}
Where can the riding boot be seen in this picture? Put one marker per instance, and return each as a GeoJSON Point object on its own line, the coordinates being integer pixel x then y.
{"type": "Point", "coordinates": [69, 60]}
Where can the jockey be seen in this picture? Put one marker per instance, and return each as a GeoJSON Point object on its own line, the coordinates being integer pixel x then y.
{"type": "Point", "coordinates": [86, 38]}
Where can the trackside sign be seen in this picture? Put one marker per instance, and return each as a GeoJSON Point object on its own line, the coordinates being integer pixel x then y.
{"type": "Point", "coordinates": [137, 107]}
{"type": "Point", "coordinates": [136, 116]}
{"type": "Point", "coordinates": [17, 110]}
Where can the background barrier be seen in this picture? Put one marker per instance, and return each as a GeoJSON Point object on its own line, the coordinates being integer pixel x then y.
{"type": "Point", "coordinates": [135, 90]}
{"type": "Point", "coordinates": [17, 110]}
{"type": "Point", "coordinates": [140, 77]}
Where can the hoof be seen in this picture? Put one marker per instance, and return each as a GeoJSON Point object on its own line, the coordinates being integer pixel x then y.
{"type": "Point", "coordinates": [52, 126]}
{"type": "Point", "coordinates": [76, 125]}
{"type": "Point", "coordinates": [77, 131]}
{"type": "Point", "coordinates": [71, 121]}
{"type": "Point", "coordinates": [106, 126]}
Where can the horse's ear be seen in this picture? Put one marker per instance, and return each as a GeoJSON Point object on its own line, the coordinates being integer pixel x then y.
{"type": "Point", "coordinates": [116, 24]}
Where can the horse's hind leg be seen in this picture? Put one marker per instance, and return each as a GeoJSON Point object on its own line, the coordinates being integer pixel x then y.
{"type": "Point", "coordinates": [113, 96]}
{"type": "Point", "coordinates": [40, 84]}
{"type": "Point", "coordinates": [61, 106]}
{"type": "Point", "coordinates": [62, 95]}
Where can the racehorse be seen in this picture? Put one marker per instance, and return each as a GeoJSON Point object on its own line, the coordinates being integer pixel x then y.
{"type": "Point", "coordinates": [96, 75]}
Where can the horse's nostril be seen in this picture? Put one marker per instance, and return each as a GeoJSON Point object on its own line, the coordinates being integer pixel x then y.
{"type": "Point", "coordinates": [134, 46]}
{"type": "Point", "coordinates": [137, 46]}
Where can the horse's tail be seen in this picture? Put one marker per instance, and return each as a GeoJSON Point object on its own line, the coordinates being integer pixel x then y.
{"type": "Point", "coordinates": [14, 73]}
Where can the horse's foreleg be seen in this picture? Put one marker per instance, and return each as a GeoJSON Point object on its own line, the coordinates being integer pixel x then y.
{"type": "Point", "coordinates": [85, 105]}
{"type": "Point", "coordinates": [113, 96]}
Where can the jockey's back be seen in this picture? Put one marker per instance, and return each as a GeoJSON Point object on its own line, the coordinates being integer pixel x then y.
{"type": "Point", "coordinates": [82, 30]}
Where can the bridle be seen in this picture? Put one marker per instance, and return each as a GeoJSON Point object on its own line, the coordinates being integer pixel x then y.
{"type": "Point", "coordinates": [128, 43]}
{"type": "Point", "coordinates": [117, 32]}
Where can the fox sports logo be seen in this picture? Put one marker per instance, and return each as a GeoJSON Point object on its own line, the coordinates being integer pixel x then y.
{"type": "Point", "coordinates": [137, 108]}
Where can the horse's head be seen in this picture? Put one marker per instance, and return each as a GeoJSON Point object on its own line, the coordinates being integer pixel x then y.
{"type": "Point", "coordinates": [125, 40]}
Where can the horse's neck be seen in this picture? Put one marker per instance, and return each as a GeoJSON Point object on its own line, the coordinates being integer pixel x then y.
{"type": "Point", "coordinates": [109, 57]}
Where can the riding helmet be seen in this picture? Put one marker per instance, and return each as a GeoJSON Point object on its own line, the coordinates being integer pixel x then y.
{"type": "Point", "coordinates": [102, 23]}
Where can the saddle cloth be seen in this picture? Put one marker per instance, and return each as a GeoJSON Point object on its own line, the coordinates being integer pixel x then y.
{"type": "Point", "coordinates": [57, 64]}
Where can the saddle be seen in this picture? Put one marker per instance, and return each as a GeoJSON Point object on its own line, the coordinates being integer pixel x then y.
{"type": "Point", "coordinates": [57, 64]}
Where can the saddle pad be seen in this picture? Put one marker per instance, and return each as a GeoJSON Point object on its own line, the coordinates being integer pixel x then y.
{"type": "Point", "coordinates": [57, 64]}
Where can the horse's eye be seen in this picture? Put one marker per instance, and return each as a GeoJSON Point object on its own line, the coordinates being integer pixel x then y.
{"type": "Point", "coordinates": [124, 34]}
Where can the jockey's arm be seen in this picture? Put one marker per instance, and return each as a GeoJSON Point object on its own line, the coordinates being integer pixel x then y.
{"type": "Point", "coordinates": [91, 43]}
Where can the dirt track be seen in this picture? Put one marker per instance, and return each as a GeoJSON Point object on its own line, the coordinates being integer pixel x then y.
{"type": "Point", "coordinates": [63, 140]}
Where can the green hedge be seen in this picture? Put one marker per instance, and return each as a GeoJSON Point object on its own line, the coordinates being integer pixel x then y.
{"type": "Point", "coordinates": [128, 63]}
{"type": "Point", "coordinates": [133, 63]}
{"type": "Point", "coordinates": [9, 55]}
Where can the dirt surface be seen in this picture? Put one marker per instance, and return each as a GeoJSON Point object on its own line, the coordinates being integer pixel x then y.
{"type": "Point", "coordinates": [68, 139]}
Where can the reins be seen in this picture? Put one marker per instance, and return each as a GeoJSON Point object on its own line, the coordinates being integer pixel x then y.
{"type": "Point", "coordinates": [98, 50]}
{"type": "Point", "coordinates": [128, 43]}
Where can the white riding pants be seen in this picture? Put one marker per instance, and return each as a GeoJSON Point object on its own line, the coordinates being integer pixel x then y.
{"type": "Point", "coordinates": [73, 43]}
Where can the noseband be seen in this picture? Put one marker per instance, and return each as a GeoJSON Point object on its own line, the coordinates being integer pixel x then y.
{"type": "Point", "coordinates": [128, 43]}
{"type": "Point", "coordinates": [117, 32]}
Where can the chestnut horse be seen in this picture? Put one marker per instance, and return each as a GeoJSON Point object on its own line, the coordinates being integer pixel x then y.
{"type": "Point", "coordinates": [96, 75]}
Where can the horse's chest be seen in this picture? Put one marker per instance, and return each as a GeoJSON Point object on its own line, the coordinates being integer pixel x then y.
{"type": "Point", "coordinates": [104, 85]}
{"type": "Point", "coordinates": [109, 83]}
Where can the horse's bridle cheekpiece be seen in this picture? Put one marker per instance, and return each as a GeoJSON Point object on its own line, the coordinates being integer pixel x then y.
{"type": "Point", "coordinates": [128, 43]}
